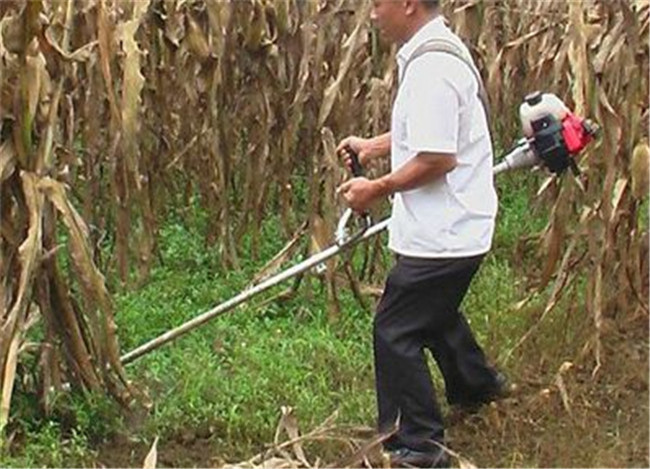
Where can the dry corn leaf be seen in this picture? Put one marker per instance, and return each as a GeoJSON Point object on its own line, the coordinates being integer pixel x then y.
{"type": "Point", "coordinates": [7, 160]}
{"type": "Point", "coordinates": [289, 424]}
{"type": "Point", "coordinates": [140, 9]}
{"type": "Point", "coordinates": [196, 41]}
{"type": "Point", "coordinates": [464, 463]}
{"type": "Point", "coordinates": [283, 19]}
{"type": "Point", "coordinates": [278, 463]}
{"type": "Point", "coordinates": [105, 38]}
{"type": "Point", "coordinates": [132, 87]}
{"type": "Point", "coordinates": [274, 265]}
{"type": "Point", "coordinates": [32, 21]}
{"type": "Point", "coordinates": [495, 78]}
{"type": "Point", "coordinates": [91, 280]}
{"type": "Point", "coordinates": [349, 48]}
{"type": "Point", "coordinates": [321, 236]}
{"type": "Point", "coordinates": [9, 378]}
{"type": "Point", "coordinates": [372, 446]}
{"type": "Point", "coordinates": [152, 457]}
{"type": "Point", "coordinates": [34, 76]}
{"type": "Point", "coordinates": [516, 43]}
{"type": "Point", "coordinates": [598, 314]}
{"type": "Point", "coordinates": [639, 169]}
{"type": "Point", "coordinates": [561, 386]}
{"type": "Point", "coordinates": [45, 158]}
{"type": "Point", "coordinates": [12, 34]}
{"type": "Point", "coordinates": [578, 57]}
{"type": "Point", "coordinates": [255, 29]}
{"type": "Point", "coordinates": [174, 21]}
{"type": "Point", "coordinates": [551, 247]}
{"type": "Point", "coordinates": [331, 169]}
{"type": "Point", "coordinates": [619, 190]}
{"type": "Point", "coordinates": [219, 14]}
{"type": "Point", "coordinates": [29, 255]}
{"type": "Point", "coordinates": [81, 54]}
{"type": "Point", "coordinates": [608, 45]}
{"type": "Point", "coordinates": [467, 21]}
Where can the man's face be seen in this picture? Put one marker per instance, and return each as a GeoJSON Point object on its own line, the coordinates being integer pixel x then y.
{"type": "Point", "coordinates": [389, 16]}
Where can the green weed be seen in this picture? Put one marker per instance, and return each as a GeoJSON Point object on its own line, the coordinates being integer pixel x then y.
{"type": "Point", "coordinates": [229, 379]}
{"type": "Point", "coordinates": [49, 446]}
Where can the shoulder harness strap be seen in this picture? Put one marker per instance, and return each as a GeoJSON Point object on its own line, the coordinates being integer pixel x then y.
{"type": "Point", "coordinates": [448, 47]}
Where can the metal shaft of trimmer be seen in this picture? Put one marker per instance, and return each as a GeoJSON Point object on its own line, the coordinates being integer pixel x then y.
{"type": "Point", "coordinates": [522, 156]}
{"type": "Point", "coordinates": [245, 295]}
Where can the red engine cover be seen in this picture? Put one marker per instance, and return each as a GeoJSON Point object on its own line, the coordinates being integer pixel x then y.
{"type": "Point", "coordinates": [575, 135]}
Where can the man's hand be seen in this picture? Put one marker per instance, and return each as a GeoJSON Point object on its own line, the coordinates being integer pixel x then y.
{"type": "Point", "coordinates": [361, 146]}
{"type": "Point", "coordinates": [367, 149]}
{"type": "Point", "coordinates": [360, 193]}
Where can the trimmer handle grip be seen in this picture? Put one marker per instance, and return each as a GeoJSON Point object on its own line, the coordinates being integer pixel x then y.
{"type": "Point", "coordinates": [357, 169]}
{"type": "Point", "coordinates": [343, 235]}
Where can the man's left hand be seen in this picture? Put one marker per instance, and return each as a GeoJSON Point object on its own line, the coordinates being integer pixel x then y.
{"type": "Point", "coordinates": [359, 193]}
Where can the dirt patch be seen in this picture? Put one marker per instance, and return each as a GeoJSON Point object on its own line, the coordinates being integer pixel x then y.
{"type": "Point", "coordinates": [570, 417]}
{"type": "Point", "coordinates": [178, 451]}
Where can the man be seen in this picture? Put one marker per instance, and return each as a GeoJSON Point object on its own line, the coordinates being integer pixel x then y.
{"type": "Point", "coordinates": [442, 223]}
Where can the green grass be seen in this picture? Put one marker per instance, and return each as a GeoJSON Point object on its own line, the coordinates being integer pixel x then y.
{"type": "Point", "coordinates": [233, 374]}
{"type": "Point", "coordinates": [248, 363]}
{"type": "Point", "coordinates": [49, 446]}
{"type": "Point", "coordinates": [519, 215]}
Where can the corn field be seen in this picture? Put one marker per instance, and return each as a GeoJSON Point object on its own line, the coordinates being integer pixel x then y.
{"type": "Point", "coordinates": [113, 111]}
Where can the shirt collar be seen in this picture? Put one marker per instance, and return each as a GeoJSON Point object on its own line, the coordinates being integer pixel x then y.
{"type": "Point", "coordinates": [421, 36]}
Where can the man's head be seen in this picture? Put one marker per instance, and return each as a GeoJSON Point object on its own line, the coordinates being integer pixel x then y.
{"type": "Point", "coordinates": [398, 20]}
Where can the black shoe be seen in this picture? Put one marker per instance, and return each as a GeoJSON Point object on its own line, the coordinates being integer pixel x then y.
{"type": "Point", "coordinates": [501, 389]}
{"type": "Point", "coordinates": [405, 457]}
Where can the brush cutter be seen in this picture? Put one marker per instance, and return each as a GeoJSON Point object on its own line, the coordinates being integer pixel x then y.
{"type": "Point", "coordinates": [553, 137]}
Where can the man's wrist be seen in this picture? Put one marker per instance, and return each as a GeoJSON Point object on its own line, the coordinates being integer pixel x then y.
{"type": "Point", "coordinates": [379, 146]}
{"type": "Point", "coordinates": [384, 185]}
{"type": "Point", "coordinates": [372, 150]}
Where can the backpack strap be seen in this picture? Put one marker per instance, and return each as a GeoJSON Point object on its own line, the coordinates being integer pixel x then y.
{"type": "Point", "coordinates": [448, 47]}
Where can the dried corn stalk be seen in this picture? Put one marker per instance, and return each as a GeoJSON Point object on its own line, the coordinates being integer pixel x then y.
{"type": "Point", "coordinates": [80, 335]}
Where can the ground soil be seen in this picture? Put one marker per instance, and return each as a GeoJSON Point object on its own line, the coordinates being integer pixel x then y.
{"type": "Point", "coordinates": [177, 452]}
{"type": "Point", "coordinates": [565, 416]}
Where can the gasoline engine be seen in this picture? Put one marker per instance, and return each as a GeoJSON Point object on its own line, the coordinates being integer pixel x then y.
{"type": "Point", "coordinates": [553, 136]}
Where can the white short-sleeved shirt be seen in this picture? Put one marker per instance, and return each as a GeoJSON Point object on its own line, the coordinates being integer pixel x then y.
{"type": "Point", "coordinates": [437, 109]}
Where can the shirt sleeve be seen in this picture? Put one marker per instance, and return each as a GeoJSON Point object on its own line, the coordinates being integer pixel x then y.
{"type": "Point", "coordinates": [433, 107]}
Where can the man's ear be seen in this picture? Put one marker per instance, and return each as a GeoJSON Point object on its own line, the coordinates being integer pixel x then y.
{"type": "Point", "coordinates": [410, 7]}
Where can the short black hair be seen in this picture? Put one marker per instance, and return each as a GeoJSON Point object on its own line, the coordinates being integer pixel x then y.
{"type": "Point", "coordinates": [430, 4]}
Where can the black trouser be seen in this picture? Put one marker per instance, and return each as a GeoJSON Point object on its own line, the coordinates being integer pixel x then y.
{"type": "Point", "coordinates": [419, 308]}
